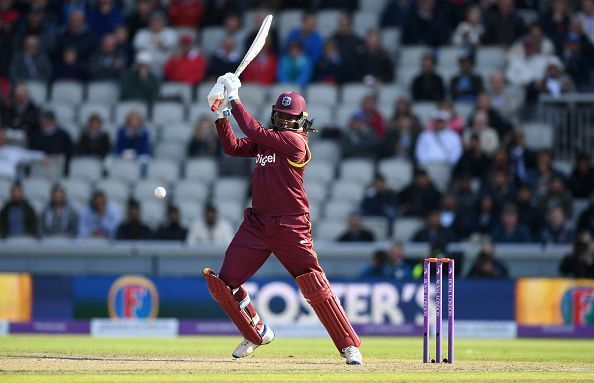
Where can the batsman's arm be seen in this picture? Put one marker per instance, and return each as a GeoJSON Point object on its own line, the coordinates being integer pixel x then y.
{"type": "Point", "coordinates": [289, 145]}
{"type": "Point", "coordinates": [233, 146]}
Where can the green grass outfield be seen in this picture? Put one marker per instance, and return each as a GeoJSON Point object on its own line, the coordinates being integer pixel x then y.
{"type": "Point", "coordinates": [37, 358]}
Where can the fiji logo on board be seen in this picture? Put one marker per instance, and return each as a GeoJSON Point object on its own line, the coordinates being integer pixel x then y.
{"type": "Point", "coordinates": [577, 306]}
{"type": "Point", "coordinates": [133, 297]}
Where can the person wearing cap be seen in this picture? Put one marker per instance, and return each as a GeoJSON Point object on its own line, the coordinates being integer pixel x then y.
{"type": "Point", "coordinates": [139, 82]}
{"type": "Point", "coordinates": [439, 145]}
{"type": "Point", "coordinates": [188, 65]}
{"type": "Point", "coordinates": [159, 40]}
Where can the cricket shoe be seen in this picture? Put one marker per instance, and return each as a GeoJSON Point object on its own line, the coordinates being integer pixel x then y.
{"type": "Point", "coordinates": [246, 347]}
{"type": "Point", "coordinates": [352, 355]}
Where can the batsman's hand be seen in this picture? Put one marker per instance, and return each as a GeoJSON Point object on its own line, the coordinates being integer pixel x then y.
{"type": "Point", "coordinates": [232, 84]}
{"type": "Point", "coordinates": [218, 93]}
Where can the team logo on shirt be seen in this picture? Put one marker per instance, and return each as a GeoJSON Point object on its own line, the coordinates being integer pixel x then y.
{"type": "Point", "coordinates": [286, 101]}
{"type": "Point", "coordinates": [262, 160]}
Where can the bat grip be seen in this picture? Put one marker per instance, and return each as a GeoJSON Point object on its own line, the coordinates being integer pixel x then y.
{"type": "Point", "coordinates": [215, 105]}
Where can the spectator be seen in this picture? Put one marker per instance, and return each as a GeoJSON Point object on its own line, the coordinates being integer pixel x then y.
{"type": "Point", "coordinates": [522, 159]}
{"type": "Point", "coordinates": [359, 140]}
{"type": "Point", "coordinates": [399, 139]}
{"type": "Point", "coordinates": [486, 134]}
{"type": "Point", "coordinates": [580, 263]}
{"type": "Point", "coordinates": [379, 267]}
{"type": "Point", "coordinates": [577, 61]}
{"type": "Point", "coordinates": [93, 140]}
{"type": "Point", "coordinates": [133, 228]}
{"type": "Point", "coordinates": [557, 229]}
{"type": "Point", "coordinates": [225, 59]}
{"type": "Point", "coordinates": [70, 67]}
{"type": "Point", "coordinates": [496, 120]}
{"type": "Point", "coordinates": [262, 70]}
{"type": "Point", "coordinates": [99, 219]}
{"type": "Point", "coordinates": [473, 162]}
{"type": "Point", "coordinates": [455, 123]}
{"type": "Point", "coordinates": [465, 195]}
{"type": "Point", "coordinates": [403, 107]}
{"type": "Point", "coordinates": [123, 43]}
{"type": "Point", "coordinates": [450, 216]}
{"type": "Point", "coordinates": [469, 33]}
{"type": "Point", "coordinates": [272, 43]}
{"type": "Point", "coordinates": [528, 213]}
{"type": "Point", "coordinates": [307, 36]}
{"type": "Point", "coordinates": [349, 45]}
{"type": "Point", "coordinates": [504, 99]}
{"type": "Point", "coordinates": [139, 82]}
{"type": "Point", "coordinates": [439, 145]}
{"type": "Point", "coordinates": [76, 35]}
{"type": "Point", "coordinates": [186, 13]}
{"type": "Point", "coordinates": [157, 39]}
{"type": "Point", "coordinates": [21, 114]}
{"type": "Point", "coordinates": [133, 141]}
{"type": "Point", "coordinates": [232, 28]}
{"type": "Point", "coordinates": [466, 86]}
{"type": "Point", "coordinates": [485, 218]}
{"type": "Point", "coordinates": [140, 17]}
{"type": "Point", "coordinates": [528, 66]}
{"type": "Point", "coordinates": [372, 115]}
{"type": "Point", "coordinates": [554, 82]}
{"type": "Point", "coordinates": [380, 200]}
{"type": "Point", "coordinates": [172, 230]}
{"type": "Point", "coordinates": [434, 232]}
{"type": "Point", "coordinates": [109, 62]}
{"type": "Point", "coordinates": [374, 63]}
{"type": "Point", "coordinates": [428, 85]}
{"type": "Point", "coordinates": [398, 266]}
{"type": "Point", "coordinates": [294, 67]}
{"type": "Point", "coordinates": [331, 68]}
{"type": "Point", "coordinates": [586, 18]}
{"type": "Point", "coordinates": [510, 230]}
{"type": "Point", "coordinates": [487, 266]}
{"type": "Point", "coordinates": [12, 156]}
{"type": "Point", "coordinates": [420, 196]}
{"type": "Point", "coordinates": [204, 141]}
{"type": "Point", "coordinates": [555, 23]}
{"type": "Point", "coordinates": [59, 218]}
{"type": "Point", "coordinates": [503, 25]}
{"type": "Point", "coordinates": [425, 25]}
{"type": "Point", "coordinates": [556, 195]}
{"type": "Point", "coordinates": [210, 229]}
{"type": "Point", "coordinates": [394, 13]}
{"type": "Point", "coordinates": [543, 45]}
{"type": "Point", "coordinates": [37, 22]}
{"type": "Point", "coordinates": [586, 219]}
{"type": "Point", "coordinates": [543, 172]}
{"type": "Point", "coordinates": [581, 181]}
{"type": "Point", "coordinates": [355, 231]}
{"type": "Point", "coordinates": [188, 65]}
{"type": "Point", "coordinates": [499, 186]}
{"type": "Point", "coordinates": [17, 217]}
{"type": "Point", "coordinates": [52, 140]}
{"type": "Point", "coordinates": [217, 11]}
{"type": "Point", "coordinates": [104, 18]}
{"type": "Point", "coordinates": [30, 63]}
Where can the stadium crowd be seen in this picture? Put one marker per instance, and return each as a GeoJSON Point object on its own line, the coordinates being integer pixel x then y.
{"type": "Point", "coordinates": [500, 189]}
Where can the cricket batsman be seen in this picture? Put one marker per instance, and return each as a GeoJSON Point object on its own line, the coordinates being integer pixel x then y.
{"type": "Point", "coordinates": [277, 223]}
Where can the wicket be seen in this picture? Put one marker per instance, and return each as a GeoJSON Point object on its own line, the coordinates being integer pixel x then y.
{"type": "Point", "coordinates": [438, 309]}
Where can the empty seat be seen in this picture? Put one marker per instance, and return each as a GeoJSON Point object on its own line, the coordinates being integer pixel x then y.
{"type": "Point", "coordinates": [115, 189]}
{"type": "Point", "coordinates": [36, 188]}
{"type": "Point", "coordinates": [316, 192]}
{"type": "Point", "coordinates": [276, 89]}
{"type": "Point", "coordinates": [212, 38]}
{"type": "Point", "coordinates": [343, 115]}
{"type": "Point", "coordinates": [231, 210]}
{"type": "Point", "coordinates": [178, 90]}
{"type": "Point", "coordinates": [410, 56]}
{"type": "Point", "coordinates": [170, 150]}
{"type": "Point", "coordinates": [325, 151]}
{"type": "Point", "coordinates": [90, 108]}
{"type": "Point", "coordinates": [538, 135]}
{"type": "Point", "coordinates": [327, 21]}
{"type": "Point", "coordinates": [406, 75]}
{"type": "Point", "coordinates": [424, 110]}
{"type": "Point", "coordinates": [125, 107]}
{"type": "Point", "coordinates": [126, 170]}
{"type": "Point", "coordinates": [190, 190]}
{"type": "Point", "coordinates": [190, 210]}
{"type": "Point", "coordinates": [378, 226]}
{"type": "Point", "coordinates": [328, 230]}
{"type": "Point", "coordinates": [322, 95]}
{"type": "Point", "coordinates": [491, 57]}
{"type": "Point", "coordinates": [64, 112]}
{"type": "Point", "coordinates": [197, 112]}
{"type": "Point", "coordinates": [66, 91]}
{"type": "Point", "coordinates": [322, 117]}
{"type": "Point", "coordinates": [103, 91]}
{"type": "Point", "coordinates": [357, 170]}
{"type": "Point", "coordinates": [163, 169]}
{"type": "Point", "coordinates": [165, 112]}
{"type": "Point", "coordinates": [5, 185]}
{"type": "Point", "coordinates": [347, 191]}
{"type": "Point", "coordinates": [338, 210]}
{"type": "Point", "coordinates": [464, 109]}
{"type": "Point", "coordinates": [254, 94]}
{"type": "Point", "coordinates": [287, 21]}
{"type": "Point", "coordinates": [234, 188]}
{"type": "Point", "coordinates": [397, 172]}
{"type": "Point", "coordinates": [363, 21]}
{"type": "Point", "coordinates": [145, 189]}
{"type": "Point", "coordinates": [388, 94]}
{"type": "Point", "coordinates": [373, 6]}
{"type": "Point", "coordinates": [77, 190]}
{"type": "Point", "coordinates": [439, 175]}
{"type": "Point", "coordinates": [85, 168]}
{"type": "Point", "coordinates": [201, 169]}
{"type": "Point", "coordinates": [176, 132]}
{"type": "Point", "coordinates": [390, 38]}
{"type": "Point", "coordinates": [53, 169]}
{"type": "Point", "coordinates": [405, 228]}
{"type": "Point", "coordinates": [152, 212]}
{"type": "Point", "coordinates": [448, 56]}
{"type": "Point", "coordinates": [37, 91]}
{"type": "Point", "coordinates": [353, 93]}
{"type": "Point", "coordinates": [320, 171]}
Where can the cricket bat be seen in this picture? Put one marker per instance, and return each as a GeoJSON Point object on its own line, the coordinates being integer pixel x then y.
{"type": "Point", "coordinates": [255, 48]}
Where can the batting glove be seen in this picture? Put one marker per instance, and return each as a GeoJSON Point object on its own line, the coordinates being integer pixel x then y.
{"type": "Point", "coordinates": [232, 85]}
{"type": "Point", "coordinates": [218, 93]}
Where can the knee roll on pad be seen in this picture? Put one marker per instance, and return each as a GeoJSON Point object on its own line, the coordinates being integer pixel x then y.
{"type": "Point", "coordinates": [223, 296]}
{"type": "Point", "coordinates": [316, 289]}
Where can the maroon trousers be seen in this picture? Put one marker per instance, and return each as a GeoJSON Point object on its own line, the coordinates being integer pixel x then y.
{"type": "Point", "coordinates": [288, 237]}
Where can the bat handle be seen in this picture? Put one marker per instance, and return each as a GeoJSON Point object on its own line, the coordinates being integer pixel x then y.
{"type": "Point", "coordinates": [215, 105]}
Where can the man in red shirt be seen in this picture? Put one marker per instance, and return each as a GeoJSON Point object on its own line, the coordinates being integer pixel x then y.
{"type": "Point", "coordinates": [188, 65]}
{"type": "Point", "coordinates": [278, 221]}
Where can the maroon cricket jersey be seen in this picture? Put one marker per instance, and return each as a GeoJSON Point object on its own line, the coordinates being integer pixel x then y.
{"type": "Point", "coordinates": [281, 156]}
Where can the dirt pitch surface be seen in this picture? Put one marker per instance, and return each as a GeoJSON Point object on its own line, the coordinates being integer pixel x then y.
{"type": "Point", "coordinates": [199, 359]}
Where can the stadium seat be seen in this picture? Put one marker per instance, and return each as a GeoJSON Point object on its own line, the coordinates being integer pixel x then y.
{"type": "Point", "coordinates": [388, 94]}
{"type": "Point", "coordinates": [538, 135]}
{"type": "Point", "coordinates": [230, 188]}
{"type": "Point", "coordinates": [52, 170]}
{"type": "Point", "coordinates": [276, 89]}
{"type": "Point", "coordinates": [397, 172]}
{"type": "Point", "coordinates": [201, 169]}
{"type": "Point", "coordinates": [179, 90]}
{"type": "Point", "coordinates": [316, 191]}
{"type": "Point", "coordinates": [353, 93]}
{"type": "Point", "coordinates": [328, 230]}
{"type": "Point", "coordinates": [125, 107]}
{"type": "Point", "coordinates": [166, 112]}
{"type": "Point", "coordinates": [89, 108]}
{"type": "Point", "coordinates": [579, 206]}
{"type": "Point", "coordinates": [373, 6]}
{"type": "Point", "coordinates": [358, 170]}
{"type": "Point", "coordinates": [405, 228]}
{"type": "Point", "coordinates": [424, 110]}
{"type": "Point", "coordinates": [170, 150]}
{"type": "Point", "coordinates": [68, 92]}
{"type": "Point", "coordinates": [322, 95]}
{"type": "Point", "coordinates": [364, 21]}
{"type": "Point", "coordinates": [125, 170]}
{"type": "Point", "coordinates": [405, 75]}
{"type": "Point", "coordinates": [190, 211]}
{"type": "Point", "coordinates": [5, 185]}
{"type": "Point", "coordinates": [320, 171]}
{"type": "Point", "coordinates": [116, 190]}
{"type": "Point", "coordinates": [327, 21]}
{"type": "Point", "coordinates": [464, 109]}
{"type": "Point", "coordinates": [347, 191]}
{"type": "Point", "coordinates": [37, 91]}
{"type": "Point", "coordinates": [179, 132]}
{"type": "Point", "coordinates": [77, 190]}
{"type": "Point", "coordinates": [378, 226]}
{"type": "Point", "coordinates": [63, 112]}
{"type": "Point", "coordinates": [287, 21]}
{"type": "Point", "coordinates": [490, 57]}
{"type": "Point", "coordinates": [36, 188]}
{"type": "Point", "coordinates": [190, 190]}
{"type": "Point", "coordinates": [410, 56]}
{"type": "Point", "coordinates": [390, 39]}
{"type": "Point", "coordinates": [152, 212]}
{"type": "Point", "coordinates": [163, 169]}
{"type": "Point", "coordinates": [86, 168]}
{"type": "Point", "coordinates": [253, 94]}
{"type": "Point", "coordinates": [322, 116]}
{"type": "Point", "coordinates": [211, 38]}
{"type": "Point", "coordinates": [344, 113]}
{"type": "Point", "coordinates": [325, 151]}
{"type": "Point", "coordinates": [314, 211]}
{"type": "Point", "coordinates": [145, 189]}
{"type": "Point", "coordinates": [439, 175]}
{"type": "Point", "coordinates": [338, 210]}
{"type": "Point", "coordinates": [448, 57]}
{"type": "Point", "coordinates": [197, 112]}
{"type": "Point", "coordinates": [103, 91]}
{"type": "Point", "coordinates": [231, 210]}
